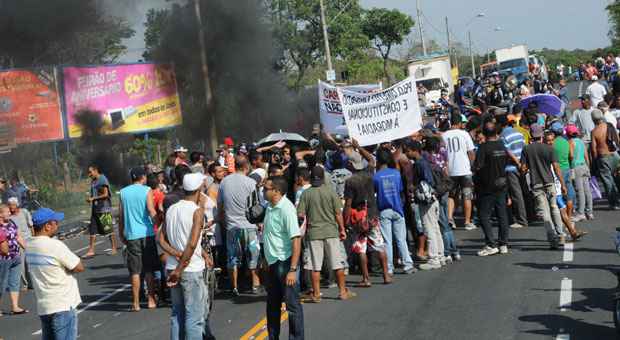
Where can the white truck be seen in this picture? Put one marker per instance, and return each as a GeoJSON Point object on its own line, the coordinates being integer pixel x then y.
{"type": "Point", "coordinates": [513, 60]}
{"type": "Point", "coordinates": [434, 73]}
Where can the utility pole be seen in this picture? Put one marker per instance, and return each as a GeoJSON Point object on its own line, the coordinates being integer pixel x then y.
{"type": "Point", "coordinates": [448, 36]}
{"type": "Point", "coordinates": [205, 72]}
{"type": "Point", "coordinates": [328, 54]}
{"type": "Point", "coordinates": [471, 53]}
{"type": "Point", "coordinates": [417, 3]}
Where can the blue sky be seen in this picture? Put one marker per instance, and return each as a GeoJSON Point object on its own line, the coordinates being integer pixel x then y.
{"type": "Point", "coordinates": [554, 24]}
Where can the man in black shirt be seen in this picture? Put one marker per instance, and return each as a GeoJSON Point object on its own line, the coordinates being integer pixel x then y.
{"type": "Point", "coordinates": [539, 158]}
{"type": "Point", "coordinates": [492, 186]}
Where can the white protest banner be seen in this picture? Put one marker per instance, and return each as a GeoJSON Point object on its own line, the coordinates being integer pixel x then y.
{"type": "Point", "coordinates": [330, 108]}
{"type": "Point", "coordinates": [383, 116]}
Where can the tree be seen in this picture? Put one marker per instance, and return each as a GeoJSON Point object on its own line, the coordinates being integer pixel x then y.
{"type": "Point", "coordinates": [36, 33]}
{"type": "Point", "coordinates": [298, 31]}
{"type": "Point", "coordinates": [613, 11]}
{"type": "Point", "coordinates": [386, 28]}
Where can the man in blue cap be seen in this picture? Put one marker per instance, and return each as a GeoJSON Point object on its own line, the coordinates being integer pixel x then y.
{"type": "Point", "coordinates": [52, 266]}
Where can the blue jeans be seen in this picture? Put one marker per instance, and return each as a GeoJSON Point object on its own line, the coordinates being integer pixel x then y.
{"type": "Point", "coordinates": [189, 308]}
{"type": "Point", "coordinates": [59, 326]}
{"type": "Point", "coordinates": [570, 189]}
{"type": "Point", "coordinates": [393, 223]}
{"type": "Point", "coordinates": [449, 241]}
{"type": "Point", "coordinates": [10, 275]}
{"type": "Point", "coordinates": [607, 168]}
{"type": "Point", "coordinates": [277, 293]}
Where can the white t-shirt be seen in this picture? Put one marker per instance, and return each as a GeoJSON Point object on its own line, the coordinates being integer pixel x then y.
{"type": "Point", "coordinates": [458, 143]}
{"type": "Point", "coordinates": [179, 222]}
{"type": "Point", "coordinates": [49, 262]}
{"type": "Point", "coordinates": [597, 93]}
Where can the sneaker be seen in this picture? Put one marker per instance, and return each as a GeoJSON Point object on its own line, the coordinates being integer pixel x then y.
{"type": "Point", "coordinates": [615, 208]}
{"type": "Point", "coordinates": [442, 261]}
{"type": "Point", "coordinates": [590, 216]}
{"type": "Point", "coordinates": [578, 218]}
{"type": "Point", "coordinates": [487, 251]}
{"type": "Point", "coordinates": [448, 259]}
{"type": "Point", "coordinates": [452, 224]}
{"type": "Point", "coordinates": [235, 292]}
{"type": "Point", "coordinates": [470, 226]}
{"type": "Point", "coordinates": [456, 257]}
{"type": "Point", "coordinates": [430, 265]}
{"type": "Point", "coordinates": [517, 226]}
{"type": "Point", "coordinates": [411, 270]}
{"type": "Point", "coordinates": [503, 249]}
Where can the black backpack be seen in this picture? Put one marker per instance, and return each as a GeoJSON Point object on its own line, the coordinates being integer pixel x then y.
{"type": "Point", "coordinates": [255, 212]}
{"type": "Point", "coordinates": [443, 183]}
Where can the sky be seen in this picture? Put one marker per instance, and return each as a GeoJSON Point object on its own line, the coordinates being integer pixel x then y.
{"type": "Point", "coordinates": [553, 24]}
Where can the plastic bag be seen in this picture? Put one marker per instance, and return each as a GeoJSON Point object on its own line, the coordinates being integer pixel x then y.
{"type": "Point", "coordinates": [596, 191]}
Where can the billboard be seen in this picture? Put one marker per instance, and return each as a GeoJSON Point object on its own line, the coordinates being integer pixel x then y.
{"type": "Point", "coordinates": [30, 105]}
{"type": "Point", "coordinates": [131, 98]}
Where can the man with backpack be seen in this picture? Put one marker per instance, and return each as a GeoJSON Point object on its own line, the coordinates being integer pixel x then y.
{"type": "Point", "coordinates": [425, 197]}
{"type": "Point", "coordinates": [492, 186]}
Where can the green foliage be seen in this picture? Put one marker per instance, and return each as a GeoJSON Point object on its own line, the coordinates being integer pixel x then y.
{"type": "Point", "coordinates": [386, 28]}
{"type": "Point", "coordinates": [613, 11]}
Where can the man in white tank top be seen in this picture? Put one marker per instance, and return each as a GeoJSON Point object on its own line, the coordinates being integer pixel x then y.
{"type": "Point", "coordinates": [185, 266]}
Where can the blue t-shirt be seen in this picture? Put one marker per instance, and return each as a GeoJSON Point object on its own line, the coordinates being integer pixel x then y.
{"type": "Point", "coordinates": [514, 142]}
{"type": "Point", "coordinates": [389, 186]}
{"type": "Point", "coordinates": [138, 222]}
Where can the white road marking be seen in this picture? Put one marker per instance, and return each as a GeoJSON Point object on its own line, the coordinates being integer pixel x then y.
{"type": "Point", "coordinates": [562, 337]}
{"type": "Point", "coordinates": [97, 325]}
{"type": "Point", "coordinates": [566, 294]}
{"type": "Point", "coordinates": [84, 248]}
{"type": "Point", "coordinates": [97, 302]}
{"type": "Point", "coordinates": [568, 252]}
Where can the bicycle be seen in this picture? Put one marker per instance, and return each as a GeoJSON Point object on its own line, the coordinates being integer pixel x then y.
{"type": "Point", "coordinates": [211, 273]}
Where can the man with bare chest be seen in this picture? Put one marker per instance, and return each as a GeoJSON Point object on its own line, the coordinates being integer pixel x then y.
{"type": "Point", "coordinates": [604, 151]}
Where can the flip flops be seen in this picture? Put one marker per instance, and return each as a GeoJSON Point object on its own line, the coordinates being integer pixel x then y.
{"type": "Point", "coordinates": [347, 295]}
{"type": "Point", "coordinates": [23, 311]}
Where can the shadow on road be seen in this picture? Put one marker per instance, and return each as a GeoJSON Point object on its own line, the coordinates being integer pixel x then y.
{"type": "Point", "coordinates": [555, 324]}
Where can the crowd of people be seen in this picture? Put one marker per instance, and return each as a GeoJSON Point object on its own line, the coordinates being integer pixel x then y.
{"type": "Point", "coordinates": [294, 217]}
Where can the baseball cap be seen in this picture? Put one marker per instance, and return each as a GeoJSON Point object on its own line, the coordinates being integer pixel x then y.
{"type": "Point", "coordinates": [557, 128]}
{"type": "Point", "coordinates": [356, 161]}
{"type": "Point", "coordinates": [137, 173]}
{"type": "Point", "coordinates": [260, 172]}
{"type": "Point", "coordinates": [597, 115]}
{"type": "Point", "coordinates": [603, 105]}
{"type": "Point", "coordinates": [180, 148]}
{"type": "Point", "coordinates": [193, 181]}
{"type": "Point", "coordinates": [536, 131]}
{"type": "Point", "coordinates": [594, 78]}
{"type": "Point", "coordinates": [317, 176]}
{"type": "Point", "coordinates": [572, 130]}
{"type": "Point", "coordinates": [44, 215]}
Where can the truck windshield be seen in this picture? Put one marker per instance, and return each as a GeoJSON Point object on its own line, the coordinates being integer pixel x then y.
{"type": "Point", "coordinates": [514, 63]}
{"type": "Point", "coordinates": [434, 84]}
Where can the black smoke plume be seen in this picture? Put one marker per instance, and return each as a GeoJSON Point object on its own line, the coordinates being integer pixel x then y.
{"type": "Point", "coordinates": [101, 150]}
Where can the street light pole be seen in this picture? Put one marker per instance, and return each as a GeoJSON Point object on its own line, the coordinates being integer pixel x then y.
{"type": "Point", "coordinates": [328, 54]}
{"type": "Point", "coordinates": [448, 34]}
{"type": "Point", "coordinates": [471, 53]}
{"type": "Point", "coordinates": [420, 27]}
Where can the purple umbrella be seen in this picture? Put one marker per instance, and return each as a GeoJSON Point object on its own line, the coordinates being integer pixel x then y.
{"type": "Point", "coordinates": [546, 103]}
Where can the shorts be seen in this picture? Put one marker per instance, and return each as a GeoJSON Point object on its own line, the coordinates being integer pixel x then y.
{"type": "Point", "coordinates": [95, 224]}
{"type": "Point", "coordinates": [463, 185]}
{"type": "Point", "coordinates": [570, 189]}
{"type": "Point", "coordinates": [372, 239]}
{"type": "Point", "coordinates": [242, 243]}
{"type": "Point", "coordinates": [317, 249]}
{"type": "Point", "coordinates": [142, 256]}
{"type": "Point", "coordinates": [10, 275]}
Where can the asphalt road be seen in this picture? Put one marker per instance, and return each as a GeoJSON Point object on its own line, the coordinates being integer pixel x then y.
{"type": "Point", "coordinates": [514, 296]}
{"type": "Point", "coordinates": [531, 293]}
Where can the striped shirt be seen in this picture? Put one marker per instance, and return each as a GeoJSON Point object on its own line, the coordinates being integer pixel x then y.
{"type": "Point", "coordinates": [514, 142]}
